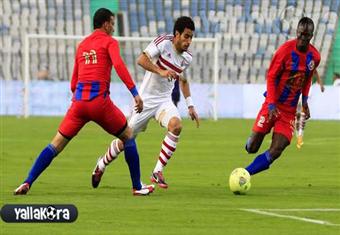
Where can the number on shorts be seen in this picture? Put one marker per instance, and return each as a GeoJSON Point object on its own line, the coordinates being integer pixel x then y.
{"type": "Point", "coordinates": [261, 121]}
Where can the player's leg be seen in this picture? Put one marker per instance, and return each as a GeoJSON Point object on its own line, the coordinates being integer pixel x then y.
{"type": "Point", "coordinates": [175, 95]}
{"type": "Point", "coordinates": [300, 124]}
{"type": "Point", "coordinates": [114, 122]}
{"type": "Point", "coordinates": [169, 117]}
{"type": "Point", "coordinates": [138, 123]}
{"type": "Point", "coordinates": [68, 128]}
{"type": "Point", "coordinates": [115, 148]}
{"type": "Point", "coordinates": [260, 129]}
{"type": "Point", "coordinates": [300, 127]}
{"type": "Point", "coordinates": [43, 160]}
{"type": "Point", "coordinates": [132, 159]}
{"type": "Point", "coordinates": [283, 133]}
{"type": "Point", "coordinates": [264, 160]}
{"type": "Point", "coordinates": [254, 142]}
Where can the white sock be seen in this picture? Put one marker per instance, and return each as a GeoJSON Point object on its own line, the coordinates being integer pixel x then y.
{"type": "Point", "coordinates": [168, 148]}
{"type": "Point", "coordinates": [110, 155]}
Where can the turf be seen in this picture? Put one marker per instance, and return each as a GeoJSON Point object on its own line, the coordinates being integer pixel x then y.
{"type": "Point", "coordinates": [197, 201]}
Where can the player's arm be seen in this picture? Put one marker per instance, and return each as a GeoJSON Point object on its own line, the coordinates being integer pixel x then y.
{"type": "Point", "coordinates": [305, 90]}
{"type": "Point", "coordinates": [124, 74]}
{"type": "Point", "coordinates": [276, 67]}
{"type": "Point", "coordinates": [145, 62]}
{"type": "Point", "coordinates": [319, 81]}
{"type": "Point", "coordinates": [74, 79]}
{"type": "Point", "coordinates": [184, 85]}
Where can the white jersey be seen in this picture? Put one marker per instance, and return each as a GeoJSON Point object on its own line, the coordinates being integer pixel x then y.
{"type": "Point", "coordinates": [162, 52]}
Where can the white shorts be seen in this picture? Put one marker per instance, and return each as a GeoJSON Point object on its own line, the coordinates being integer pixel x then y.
{"type": "Point", "coordinates": [162, 112]}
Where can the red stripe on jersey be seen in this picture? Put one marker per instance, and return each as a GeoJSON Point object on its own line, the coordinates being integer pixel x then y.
{"type": "Point", "coordinates": [167, 63]}
{"type": "Point", "coordinates": [86, 91]}
{"type": "Point", "coordinates": [158, 38]}
{"type": "Point", "coordinates": [160, 65]}
{"type": "Point", "coordinates": [169, 147]}
{"type": "Point", "coordinates": [162, 161]}
{"type": "Point", "coordinates": [163, 38]}
{"type": "Point", "coordinates": [165, 154]}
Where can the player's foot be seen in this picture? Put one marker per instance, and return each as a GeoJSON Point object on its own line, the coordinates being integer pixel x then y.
{"type": "Point", "coordinates": [299, 141]}
{"type": "Point", "coordinates": [22, 189]}
{"type": "Point", "coordinates": [145, 190]}
{"type": "Point", "coordinates": [158, 178]}
{"type": "Point", "coordinates": [97, 174]}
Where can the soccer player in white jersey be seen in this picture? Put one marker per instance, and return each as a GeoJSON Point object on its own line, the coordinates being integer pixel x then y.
{"type": "Point", "coordinates": [165, 59]}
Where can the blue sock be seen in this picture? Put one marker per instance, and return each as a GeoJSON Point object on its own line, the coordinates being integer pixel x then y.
{"type": "Point", "coordinates": [132, 159]}
{"type": "Point", "coordinates": [41, 163]}
{"type": "Point", "coordinates": [260, 163]}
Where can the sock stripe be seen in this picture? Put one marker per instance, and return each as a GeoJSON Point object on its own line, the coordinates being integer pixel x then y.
{"type": "Point", "coordinates": [109, 154]}
{"type": "Point", "coordinates": [115, 146]}
{"type": "Point", "coordinates": [173, 137]}
{"type": "Point", "coordinates": [172, 149]}
{"type": "Point", "coordinates": [105, 159]}
{"type": "Point", "coordinates": [162, 161]}
{"type": "Point", "coordinates": [53, 149]}
{"type": "Point", "coordinates": [165, 154]}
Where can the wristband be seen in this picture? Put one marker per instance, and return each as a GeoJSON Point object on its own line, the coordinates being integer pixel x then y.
{"type": "Point", "coordinates": [271, 106]}
{"type": "Point", "coordinates": [134, 91]}
{"type": "Point", "coordinates": [304, 99]}
{"type": "Point", "coordinates": [189, 101]}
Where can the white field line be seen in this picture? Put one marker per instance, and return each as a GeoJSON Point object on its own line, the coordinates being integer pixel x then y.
{"type": "Point", "coordinates": [304, 209]}
{"type": "Point", "coordinates": [314, 221]}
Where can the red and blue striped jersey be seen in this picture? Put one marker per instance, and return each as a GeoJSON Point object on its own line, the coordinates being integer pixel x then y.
{"type": "Point", "coordinates": [95, 56]}
{"type": "Point", "coordinates": [289, 75]}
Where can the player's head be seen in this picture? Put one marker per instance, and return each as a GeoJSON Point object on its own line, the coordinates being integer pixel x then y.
{"type": "Point", "coordinates": [304, 33]}
{"type": "Point", "coordinates": [104, 19]}
{"type": "Point", "coordinates": [183, 32]}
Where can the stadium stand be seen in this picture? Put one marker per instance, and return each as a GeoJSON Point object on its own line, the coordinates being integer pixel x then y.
{"type": "Point", "coordinates": [249, 32]}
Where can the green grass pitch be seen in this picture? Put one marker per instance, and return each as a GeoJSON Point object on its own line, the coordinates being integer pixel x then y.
{"type": "Point", "coordinates": [198, 200]}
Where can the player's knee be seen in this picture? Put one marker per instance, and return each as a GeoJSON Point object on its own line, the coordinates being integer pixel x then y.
{"type": "Point", "coordinates": [252, 148]}
{"type": "Point", "coordinates": [275, 152]}
{"type": "Point", "coordinates": [126, 135]}
{"type": "Point", "coordinates": [175, 126]}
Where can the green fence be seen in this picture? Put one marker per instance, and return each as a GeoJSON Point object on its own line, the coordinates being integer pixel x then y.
{"type": "Point", "coordinates": [113, 5]}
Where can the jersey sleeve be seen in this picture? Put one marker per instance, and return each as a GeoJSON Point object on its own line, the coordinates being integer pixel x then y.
{"type": "Point", "coordinates": [305, 89]}
{"type": "Point", "coordinates": [155, 47]}
{"type": "Point", "coordinates": [120, 67]}
{"type": "Point", "coordinates": [276, 67]}
{"type": "Point", "coordinates": [74, 79]}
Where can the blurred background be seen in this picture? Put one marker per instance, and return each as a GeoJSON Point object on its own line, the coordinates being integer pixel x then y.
{"type": "Point", "coordinates": [248, 33]}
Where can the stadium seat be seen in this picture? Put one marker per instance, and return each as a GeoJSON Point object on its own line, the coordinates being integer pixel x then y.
{"type": "Point", "coordinates": [250, 29]}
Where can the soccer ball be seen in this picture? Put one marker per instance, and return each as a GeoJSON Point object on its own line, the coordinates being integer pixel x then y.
{"type": "Point", "coordinates": [239, 181]}
{"type": "Point", "coordinates": [51, 212]}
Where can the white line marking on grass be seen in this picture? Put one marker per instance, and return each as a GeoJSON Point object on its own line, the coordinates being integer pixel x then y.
{"type": "Point", "coordinates": [304, 209]}
{"type": "Point", "coordinates": [314, 221]}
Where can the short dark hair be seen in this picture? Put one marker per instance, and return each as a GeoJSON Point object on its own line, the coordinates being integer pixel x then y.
{"type": "Point", "coordinates": [101, 16]}
{"type": "Point", "coordinates": [306, 21]}
{"type": "Point", "coordinates": [182, 23]}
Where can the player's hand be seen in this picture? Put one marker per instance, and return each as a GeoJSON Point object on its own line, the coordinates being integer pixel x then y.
{"type": "Point", "coordinates": [322, 87]}
{"type": "Point", "coordinates": [306, 111]}
{"type": "Point", "coordinates": [168, 74]}
{"type": "Point", "coordinates": [193, 115]}
{"type": "Point", "coordinates": [273, 113]}
{"type": "Point", "coordinates": [138, 104]}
